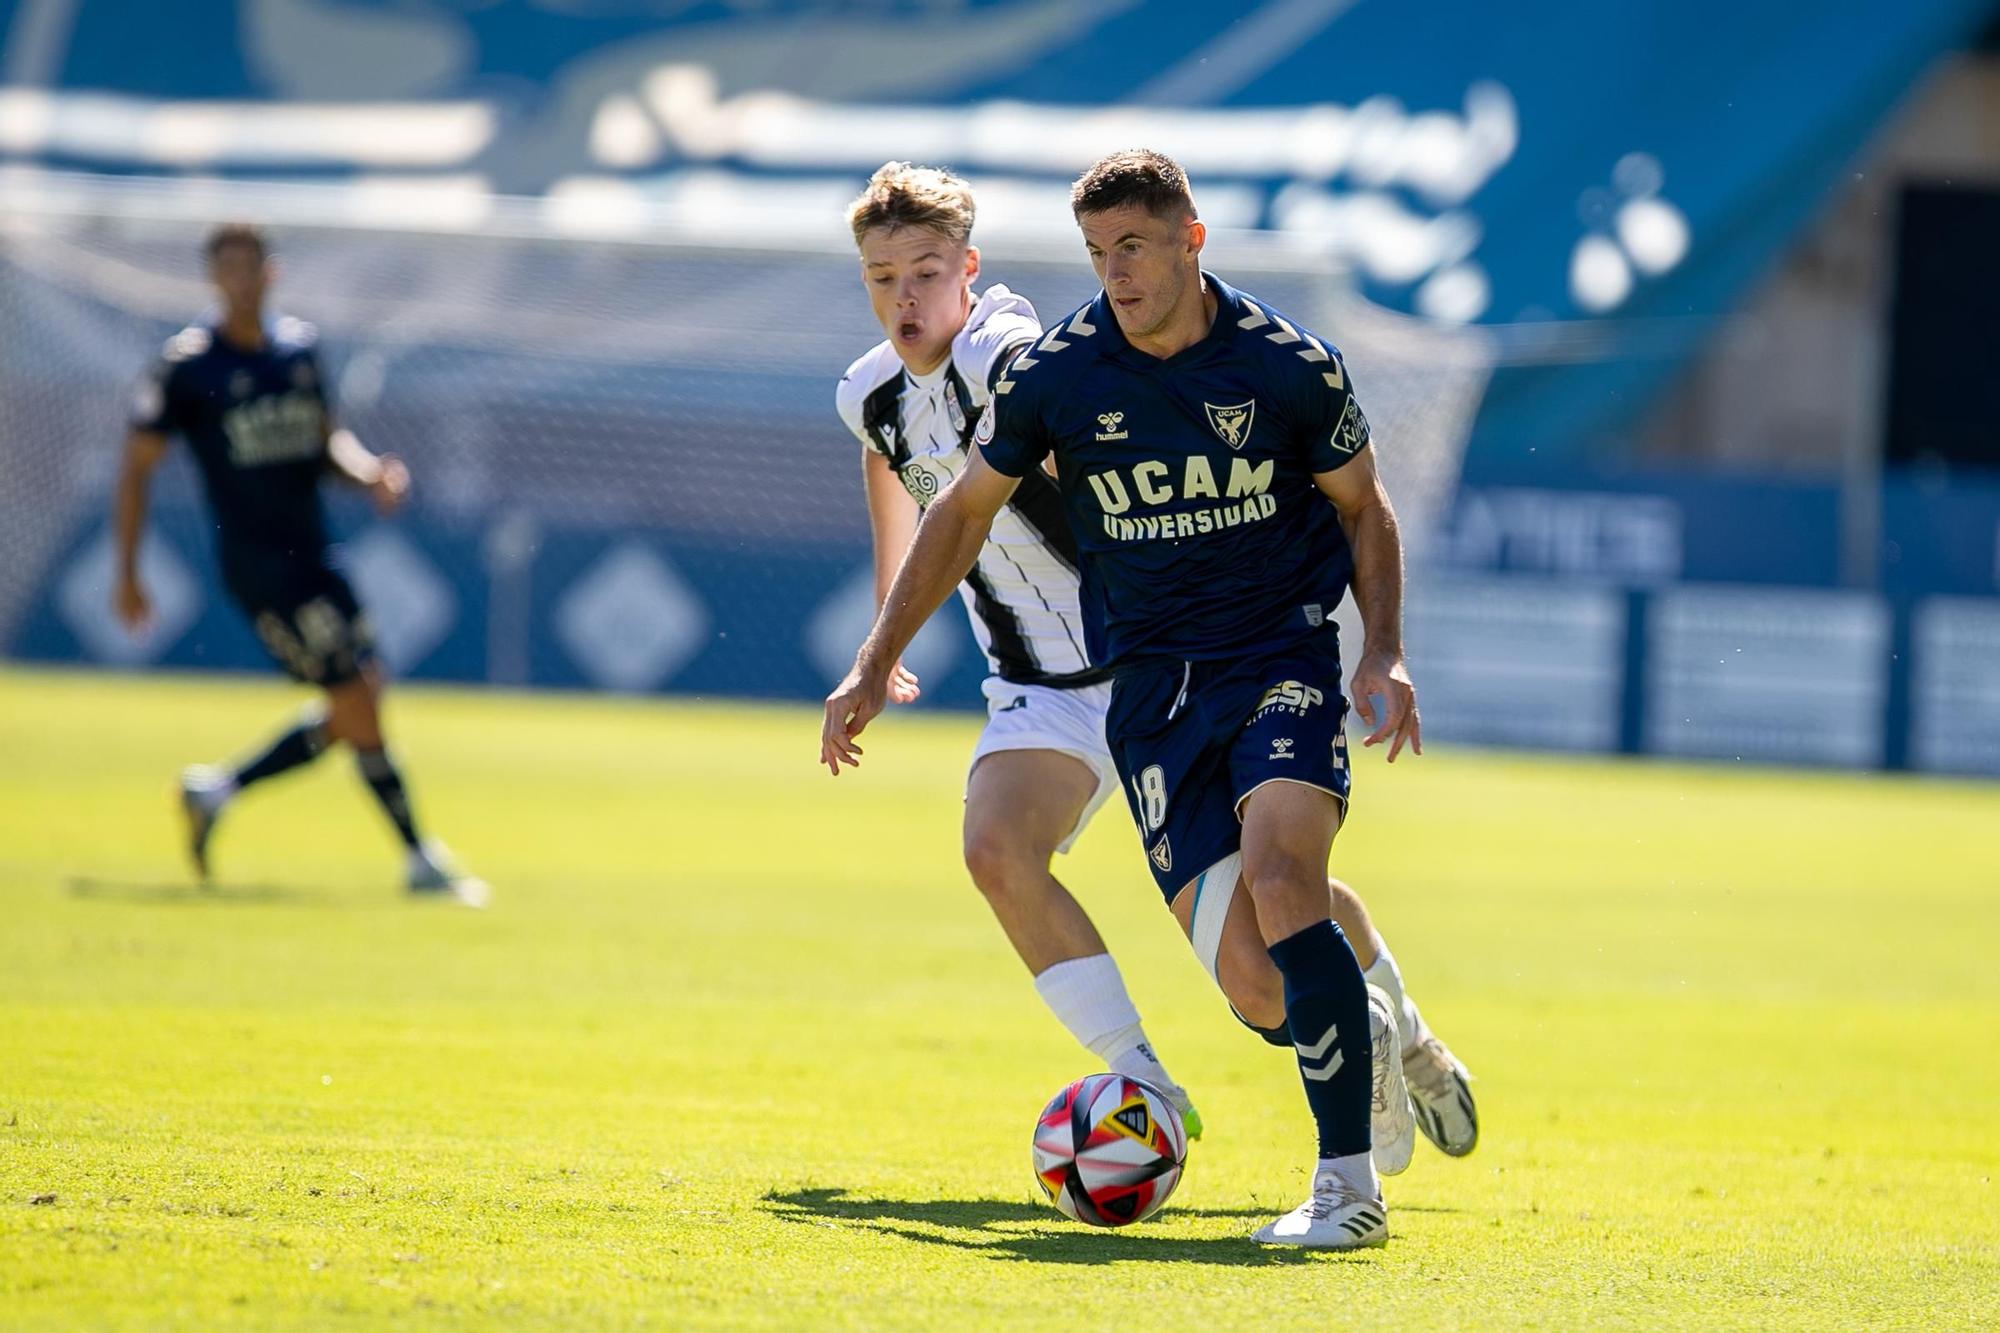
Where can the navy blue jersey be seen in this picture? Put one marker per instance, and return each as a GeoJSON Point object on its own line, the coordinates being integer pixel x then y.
{"type": "Point", "coordinates": [257, 424]}
{"type": "Point", "coordinates": [1189, 481]}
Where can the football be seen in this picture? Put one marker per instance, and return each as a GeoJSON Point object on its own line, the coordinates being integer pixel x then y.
{"type": "Point", "coordinates": [1109, 1150]}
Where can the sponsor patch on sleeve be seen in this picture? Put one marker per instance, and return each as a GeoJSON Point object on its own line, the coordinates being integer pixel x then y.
{"type": "Point", "coordinates": [1352, 432]}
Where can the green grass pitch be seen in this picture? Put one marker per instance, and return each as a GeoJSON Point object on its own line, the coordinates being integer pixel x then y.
{"type": "Point", "coordinates": [738, 1044]}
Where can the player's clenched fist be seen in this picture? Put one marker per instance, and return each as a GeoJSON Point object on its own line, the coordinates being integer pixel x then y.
{"type": "Point", "coordinates": [849, 709]}
{"type": "Point", "coordinates": [391, 486]}
{"type": "Point", "coordinates": [903, 686]}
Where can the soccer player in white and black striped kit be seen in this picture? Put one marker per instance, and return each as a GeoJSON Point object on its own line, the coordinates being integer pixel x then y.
{"type": "Point", "coordinates": [1042, 766]}
{"type": "Point", "coordinates": [1040, 769]}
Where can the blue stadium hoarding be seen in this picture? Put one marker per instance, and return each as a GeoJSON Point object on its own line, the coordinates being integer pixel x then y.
{"type": "Point", "coordinates": [1555, 658]}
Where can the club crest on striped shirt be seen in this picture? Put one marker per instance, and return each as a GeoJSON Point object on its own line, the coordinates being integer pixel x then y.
{"type": "Point", "coordinates": [1232, 423]}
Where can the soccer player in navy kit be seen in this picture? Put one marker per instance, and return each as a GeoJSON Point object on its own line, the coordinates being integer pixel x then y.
{"type": "Point", "coordinates": [1215, 469]}
{"type": "Point", "coordinates": [247, 395]}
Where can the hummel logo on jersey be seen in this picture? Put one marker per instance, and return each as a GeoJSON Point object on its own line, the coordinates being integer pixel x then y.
{"type": "Point", "coordinates": [1232, 423]}
{"type": "Point", "coordinates": [1290, 695]}
{"type": "Point", "coordinates": [1282, 748]}
{"type": "Point", "coordinates": [1110, 420]}
{"type": "Point", "coordinates": [1163, 856]}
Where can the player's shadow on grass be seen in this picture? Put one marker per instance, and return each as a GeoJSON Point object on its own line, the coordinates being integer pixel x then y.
{"type": "Point", "coordinates": [994, 1227]}
{"type": "Point", "coordinates": [172, 891]}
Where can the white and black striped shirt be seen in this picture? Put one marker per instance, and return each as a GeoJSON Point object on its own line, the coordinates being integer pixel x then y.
{"type": "Point", "coordinates": [1023, 591]}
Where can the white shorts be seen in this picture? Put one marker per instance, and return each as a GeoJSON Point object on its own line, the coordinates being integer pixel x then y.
{"type": "Point", "coordinates": [1035, 717]}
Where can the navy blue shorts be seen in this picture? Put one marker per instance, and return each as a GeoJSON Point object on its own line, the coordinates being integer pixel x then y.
{"type": "Point", "coordinates": [307, 618]}
{"type": "Point", "coordinates": [1193, 740]}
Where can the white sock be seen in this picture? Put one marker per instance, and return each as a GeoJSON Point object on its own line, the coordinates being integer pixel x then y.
{"type": "Point", "coordinates": [213, 794]}
{"type": "Point", "coordinates": [1383, 972]}
{"type": "Point", "coordinates": [1088, 996]}
{"type": "Point", "coordinates": [1355, 1172]}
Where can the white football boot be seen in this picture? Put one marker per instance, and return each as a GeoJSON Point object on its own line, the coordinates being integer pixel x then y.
{"type": "Point", "coordinates": [1182, 1102]}
{"type": "Point", "coordinates": [1394, 1124]}
{"type": "Point", "coordinates": [433, 875]}
{"type": "Point", "coordinates": [1441, 1092]}
{"type": "Point", "coordinates": [1336, 1217]}
{"type": "Point", "coordinates": [203, 793]}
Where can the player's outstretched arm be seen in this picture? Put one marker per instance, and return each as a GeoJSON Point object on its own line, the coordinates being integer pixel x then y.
{"type": "Point", "coordinates": [383, 476]}
{"type": "Point", "coordinates": [892, 523]}
{"type": "Point", "coordinates": [1370, 522]}
{"type": "Point", "coordinates": [947, 542]}
{"type": "Point", "coordinates": [143, 451]}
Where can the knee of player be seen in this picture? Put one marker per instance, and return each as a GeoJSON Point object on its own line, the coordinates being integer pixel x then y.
{"type": "Point", "coordinates": [1277, 877]}
{"type": "Point", "coordinates": [352, 718]}
{"type": "Point", "coordinates": [999, 859]}
{"type": "Point", "coordinates": [362, 732]}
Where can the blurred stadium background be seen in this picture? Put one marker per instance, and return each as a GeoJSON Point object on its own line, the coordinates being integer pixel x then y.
{"type": "Point", "coordinates": [1679, 347]}
{"type": "Point", "coordinates": [1675, 321]}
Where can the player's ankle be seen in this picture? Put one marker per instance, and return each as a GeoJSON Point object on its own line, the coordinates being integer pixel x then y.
{"type": "Point", "coordinates": [1135, 1059]}
{"type": "Point", "coordinates": [1355, 1172]}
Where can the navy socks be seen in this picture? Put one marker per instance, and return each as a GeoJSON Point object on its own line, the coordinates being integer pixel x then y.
{"type": "Point", "coordinates": [1326, 1008]}
{"type": "Point", "coordinates": [301, 745]}
{"type": "Point", "coordinates": [379, 772]}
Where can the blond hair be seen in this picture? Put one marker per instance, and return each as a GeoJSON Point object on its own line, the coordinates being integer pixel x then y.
{"type": "Point", "coordinates": [902, 195]}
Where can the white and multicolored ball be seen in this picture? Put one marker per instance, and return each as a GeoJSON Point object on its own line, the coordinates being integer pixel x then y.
{"type": "Point", "coordinates": [1109, 1150]}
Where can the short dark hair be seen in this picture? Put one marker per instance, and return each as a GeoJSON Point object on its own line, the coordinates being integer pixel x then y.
{"type": "Point", "coordinates": [1139, 176]}
{"type": "Point", "coordinates": [236, 233]}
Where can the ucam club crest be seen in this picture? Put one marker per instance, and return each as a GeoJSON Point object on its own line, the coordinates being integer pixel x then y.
{"type": "Point", "coordinates": [1232, 423]}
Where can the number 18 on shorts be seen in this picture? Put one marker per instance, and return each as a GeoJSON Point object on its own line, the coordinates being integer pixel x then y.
{"type": "Point", "coordinates": [1194, 740]}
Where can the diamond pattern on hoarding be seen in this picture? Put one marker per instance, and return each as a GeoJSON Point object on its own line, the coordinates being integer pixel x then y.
{"type": "Point", "coordinates": [631, 622]}
{"type": "Point", "coordinates": [83, 600]}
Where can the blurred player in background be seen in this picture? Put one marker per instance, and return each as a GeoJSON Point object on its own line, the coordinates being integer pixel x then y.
{"type": "Point", "coordinates": [246, 394]}
{"type": "Point", "coordinates": [1040, 769]}
{"type": "Point", "coordinates": [915, 412]}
